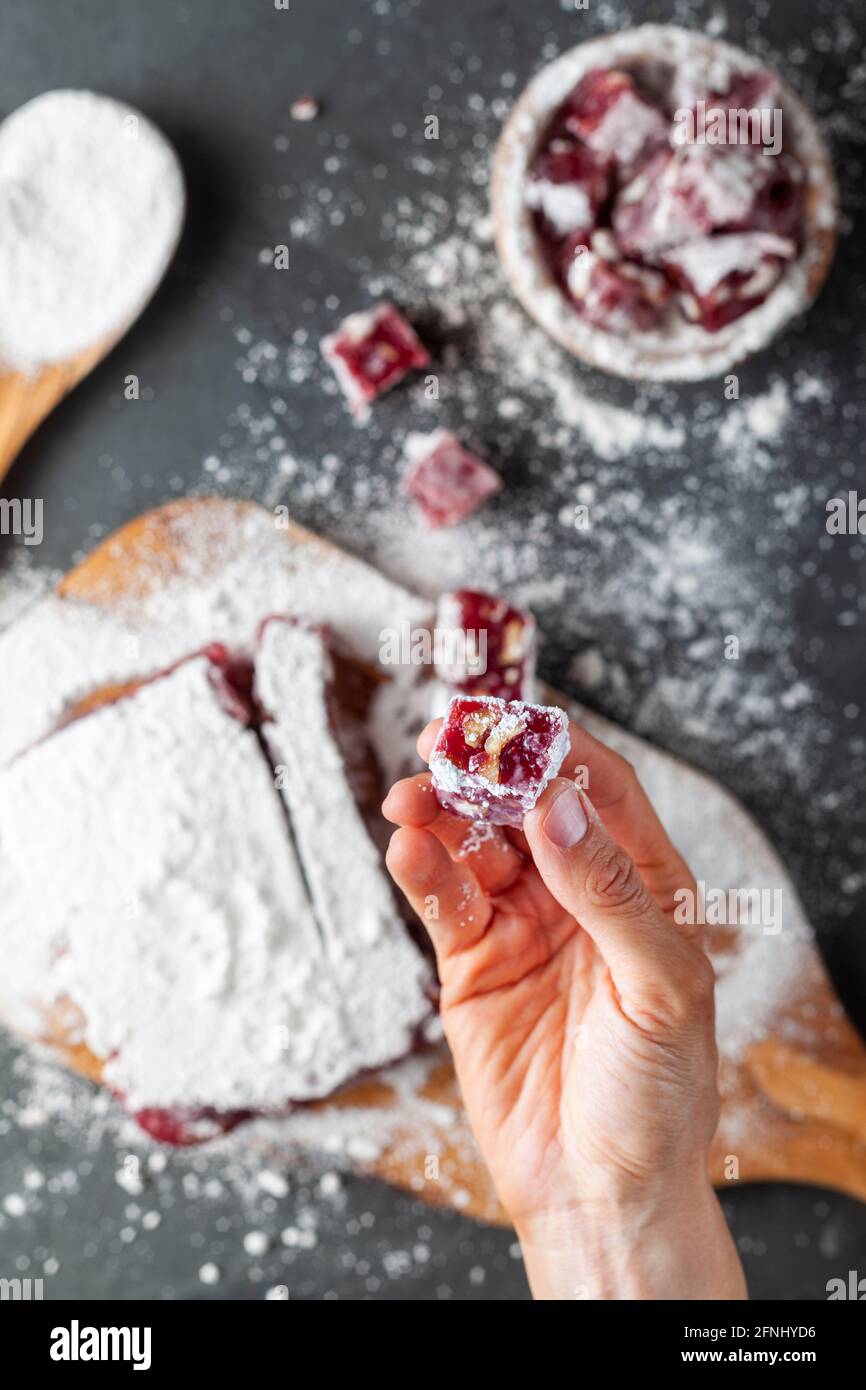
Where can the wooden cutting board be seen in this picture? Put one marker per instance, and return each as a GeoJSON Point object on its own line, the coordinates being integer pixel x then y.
{"type": "Point", "coordinates": [794, 1103]}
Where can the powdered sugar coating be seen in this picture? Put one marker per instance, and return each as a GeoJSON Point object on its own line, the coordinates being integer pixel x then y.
{"type": "Point", "coordinates": [364, 935]}
{"type": "Point", "coordinates": [685, 351]}
{"type": "Point", "coordinates": [173, 914]}
{"type": "Point", "coordinates": [64, 650]}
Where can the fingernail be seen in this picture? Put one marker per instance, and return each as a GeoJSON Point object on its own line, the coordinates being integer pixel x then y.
{"type": "Point", "coordinates": [566, 823]}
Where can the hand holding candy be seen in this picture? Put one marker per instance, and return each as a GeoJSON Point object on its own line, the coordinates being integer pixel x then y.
{"type": "Point", "coordinates": [580, 1017]}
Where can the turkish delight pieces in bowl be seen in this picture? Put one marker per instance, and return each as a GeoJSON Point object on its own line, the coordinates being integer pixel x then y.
{"type": "Point", "coordinates": [663, 204]}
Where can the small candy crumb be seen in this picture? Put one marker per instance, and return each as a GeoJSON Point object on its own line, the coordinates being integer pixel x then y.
{"type": "Point", "coordinates": [304, 108]}
{"type": "Point", "coordinates": [273, 1183]}
{"type": "Point", "coordinates": [256, 1243]}
{"type": "Point", "coordinates": [330, 1184]}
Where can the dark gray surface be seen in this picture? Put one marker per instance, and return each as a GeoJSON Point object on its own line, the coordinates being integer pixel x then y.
{"type": "Point", "coordinates": [219, 79]}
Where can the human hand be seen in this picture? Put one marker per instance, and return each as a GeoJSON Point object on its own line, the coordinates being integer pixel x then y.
{"type": "Point", "coordinates": [580, 1017]}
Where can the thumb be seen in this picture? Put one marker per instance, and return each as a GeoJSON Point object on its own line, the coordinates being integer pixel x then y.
{"type": "Point", "coordinates": [657, 972]}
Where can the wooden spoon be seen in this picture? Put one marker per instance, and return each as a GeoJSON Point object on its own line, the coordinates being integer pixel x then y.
{"type": "Point", "coordinates": [26, 399]}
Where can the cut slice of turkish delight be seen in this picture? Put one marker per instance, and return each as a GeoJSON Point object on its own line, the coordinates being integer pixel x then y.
{"type": "Point", "coordinates": [608, 113]}
{"type": "Point", "coordinates": [724, 277]}
{"type": "Point", "coordinates": [446, 480]}
{"type": "Point", "coordinates": [686, 193]}
{"type": "Point", "coordinates": [493, 758]}
{"type": "Point", "coordinates": [370, 352]}
{"type": "Point", "coordinates": [617, 295]}
{"type": "Point", "coordinates": [484, 646]}
{"type": "Point", "coordinates": [566, 187]}
{"type": "Point", "coordinates": [378, 973]}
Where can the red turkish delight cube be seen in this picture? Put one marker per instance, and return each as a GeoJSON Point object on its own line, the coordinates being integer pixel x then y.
{"type": "Point", "coordinates": [370, 352]}
{"type": "Point", "coordinates": [779, 202]}
{"type": "Point", "coordinates": [566, 187]}
{"type": "Point", "coordinates": [484, 646]}
{"type": "Point", "coordinates": [446, 480]}
{"type": "Point", "coordinates": [749, 104]}
{"type": "Point", "coordinates": [608, 113]}
{"type": "Point", "coordinates": [616, 295]}
{"type": "Point", "coordinates": [686, 193]}
{"type": "Point", "coordinates": [724, 277]}
{"type": "Point", "coordinates": [713, 83]}
{"type": "Point", "coordinates": [493, 758]}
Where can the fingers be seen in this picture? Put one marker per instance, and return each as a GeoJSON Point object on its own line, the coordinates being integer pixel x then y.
{"type": "Point", "coordinates": [493, 859]}
{"type": "Point", "coordinates": [623, 805]}
{"type": "Point", "coordinates": [628, 814]}
{"type": "Point", "coordinates": [427, 738]}
{"type": "Point", "coordinates": [661, 977]}
{"type": "Point", "coordinates": [446, 896]}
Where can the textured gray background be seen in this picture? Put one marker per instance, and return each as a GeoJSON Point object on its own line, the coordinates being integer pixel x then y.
{"type": "Point", "coordinates": [219, 77]}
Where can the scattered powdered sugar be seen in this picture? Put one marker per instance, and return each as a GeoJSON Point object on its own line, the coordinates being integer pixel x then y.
{"type": "Point", "coordinates": [611, 431]}
{"type": "Point", "coordinates": [761, 419]}
{"type": "Point", "coordinates": [91, 206]}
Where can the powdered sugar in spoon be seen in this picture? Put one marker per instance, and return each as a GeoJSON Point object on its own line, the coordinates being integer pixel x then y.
{"type": "Point", "coordinates": [91, 208]}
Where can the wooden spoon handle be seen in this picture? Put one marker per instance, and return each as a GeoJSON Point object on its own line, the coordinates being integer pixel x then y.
{"type": "Point", "coordinates": [26, 400]}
